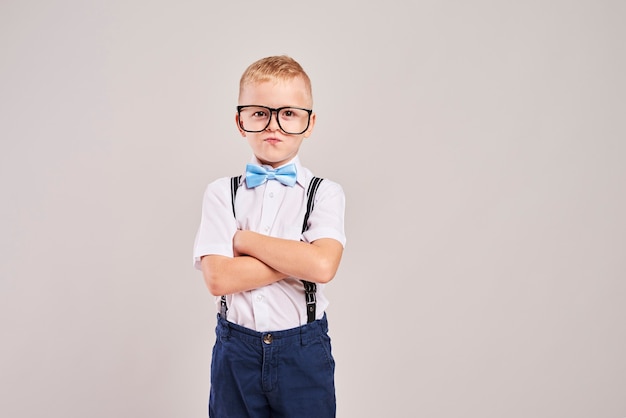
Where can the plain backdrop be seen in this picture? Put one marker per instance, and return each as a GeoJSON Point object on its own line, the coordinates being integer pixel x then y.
{"type": "Point", "coordinates": [481, 146]}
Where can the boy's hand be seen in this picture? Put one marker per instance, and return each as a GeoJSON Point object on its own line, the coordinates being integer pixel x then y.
{"type": "Point", "coordinates": [238, 239]}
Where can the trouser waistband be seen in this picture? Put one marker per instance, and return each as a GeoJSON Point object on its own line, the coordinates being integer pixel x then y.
{"type": "Point", "coordinates": [299, 335]}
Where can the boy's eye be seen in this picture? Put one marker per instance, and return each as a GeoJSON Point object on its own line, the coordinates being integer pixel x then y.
{"type": "Point", "coordinates": [288, 113]}
{"type": "Point", "coordinates": [259, 114]}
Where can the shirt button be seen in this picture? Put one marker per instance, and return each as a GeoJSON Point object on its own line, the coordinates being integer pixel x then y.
{"type": "Point", "coordinates": [267, 228]}
{"type": "Point", "coordinates": [271, 194]}
{"type": "Point", "coordinates": [259, 298]}
{"type": "Point", "coordinates": [267, 338]}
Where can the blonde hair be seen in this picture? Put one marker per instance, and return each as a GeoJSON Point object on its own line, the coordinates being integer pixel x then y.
{"type": "Point", "coordinates": [275, 68]}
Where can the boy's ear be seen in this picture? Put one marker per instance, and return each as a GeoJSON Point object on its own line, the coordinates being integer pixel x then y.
{"type": "Point", "coordinates": [241, 131]}
{"type": "Point", "coordinates": [309, 131]}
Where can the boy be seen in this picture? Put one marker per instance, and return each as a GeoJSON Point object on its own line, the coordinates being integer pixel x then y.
{"type": "Point", "coordinates": [266, 264]}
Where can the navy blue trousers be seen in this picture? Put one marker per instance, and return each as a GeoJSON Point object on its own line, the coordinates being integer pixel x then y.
{"type": "Point", "coordinates": [282, 374]}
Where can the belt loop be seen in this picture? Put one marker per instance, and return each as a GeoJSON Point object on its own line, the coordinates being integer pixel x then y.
{"type": "Point", "coordinates": [324, 323]}
{"type": "Point", "coordinates": [222, 326]}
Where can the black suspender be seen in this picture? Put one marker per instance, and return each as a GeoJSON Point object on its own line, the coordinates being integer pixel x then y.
{"type": "Point", "coordinates": [313, 185]}
{"type": "Point", "coordinates": [234, 185]}
{"type": "Point", "coordinates": [310, 288]}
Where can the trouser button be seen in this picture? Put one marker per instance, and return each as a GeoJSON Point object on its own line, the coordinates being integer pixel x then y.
{"type": "Point", "coordinates": [267, 338]}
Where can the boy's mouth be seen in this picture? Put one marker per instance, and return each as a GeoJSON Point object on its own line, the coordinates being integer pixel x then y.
{"type": "Point", "coordinates": [272, 140]}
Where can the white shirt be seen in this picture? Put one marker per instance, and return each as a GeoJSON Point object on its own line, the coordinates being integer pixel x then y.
{"type": "Point", "coordinates": [276, 210]}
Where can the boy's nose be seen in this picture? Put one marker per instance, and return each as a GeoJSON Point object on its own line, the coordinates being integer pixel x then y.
{"type": "Point", "coordinates": [273, 125]}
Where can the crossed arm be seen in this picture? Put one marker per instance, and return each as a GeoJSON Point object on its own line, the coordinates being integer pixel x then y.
{"type": "Point", "coordinates": [261, 260]}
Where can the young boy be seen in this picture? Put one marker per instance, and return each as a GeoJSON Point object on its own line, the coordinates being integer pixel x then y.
{"type": "Point", "coordinates": [266, 264]}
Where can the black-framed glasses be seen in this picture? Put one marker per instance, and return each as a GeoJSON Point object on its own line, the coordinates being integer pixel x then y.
{"type": "Point", "coordinates": [291, 120]}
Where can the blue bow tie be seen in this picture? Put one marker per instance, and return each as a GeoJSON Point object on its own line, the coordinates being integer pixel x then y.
{"type": "Point", "coordinates": [256, 175]}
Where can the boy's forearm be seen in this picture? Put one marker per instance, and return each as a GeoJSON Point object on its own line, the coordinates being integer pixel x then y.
{"type": "Point", "coordinates": [316, 262]}
{"type": "Point", "coordinates": [226, 275]}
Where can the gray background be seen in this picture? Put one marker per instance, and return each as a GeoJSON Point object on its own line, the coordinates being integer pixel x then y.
{"type": "Point", "coordinates": [481, 146]}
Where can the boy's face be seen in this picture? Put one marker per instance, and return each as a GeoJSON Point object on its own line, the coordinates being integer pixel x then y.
{"type": "Point", "coordinates": [273, 146]}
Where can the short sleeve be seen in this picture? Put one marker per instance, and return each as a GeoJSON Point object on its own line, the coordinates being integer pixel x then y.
{"type": "Point", "coordinates": [217, 223]}
{"type": "Point", "coordinates": [327, 217]}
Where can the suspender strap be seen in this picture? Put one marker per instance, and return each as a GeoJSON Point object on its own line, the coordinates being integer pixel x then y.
{"type": "Point", "coordinates": [310, 288]}
{"type": "Point", "coordinates": [313, 185]}
{"type": "Point", "coordinates": [234, 185]}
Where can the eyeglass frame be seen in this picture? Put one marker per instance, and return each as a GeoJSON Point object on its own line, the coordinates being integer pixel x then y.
{"type": "Point", "coordinates": [272, 110]}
